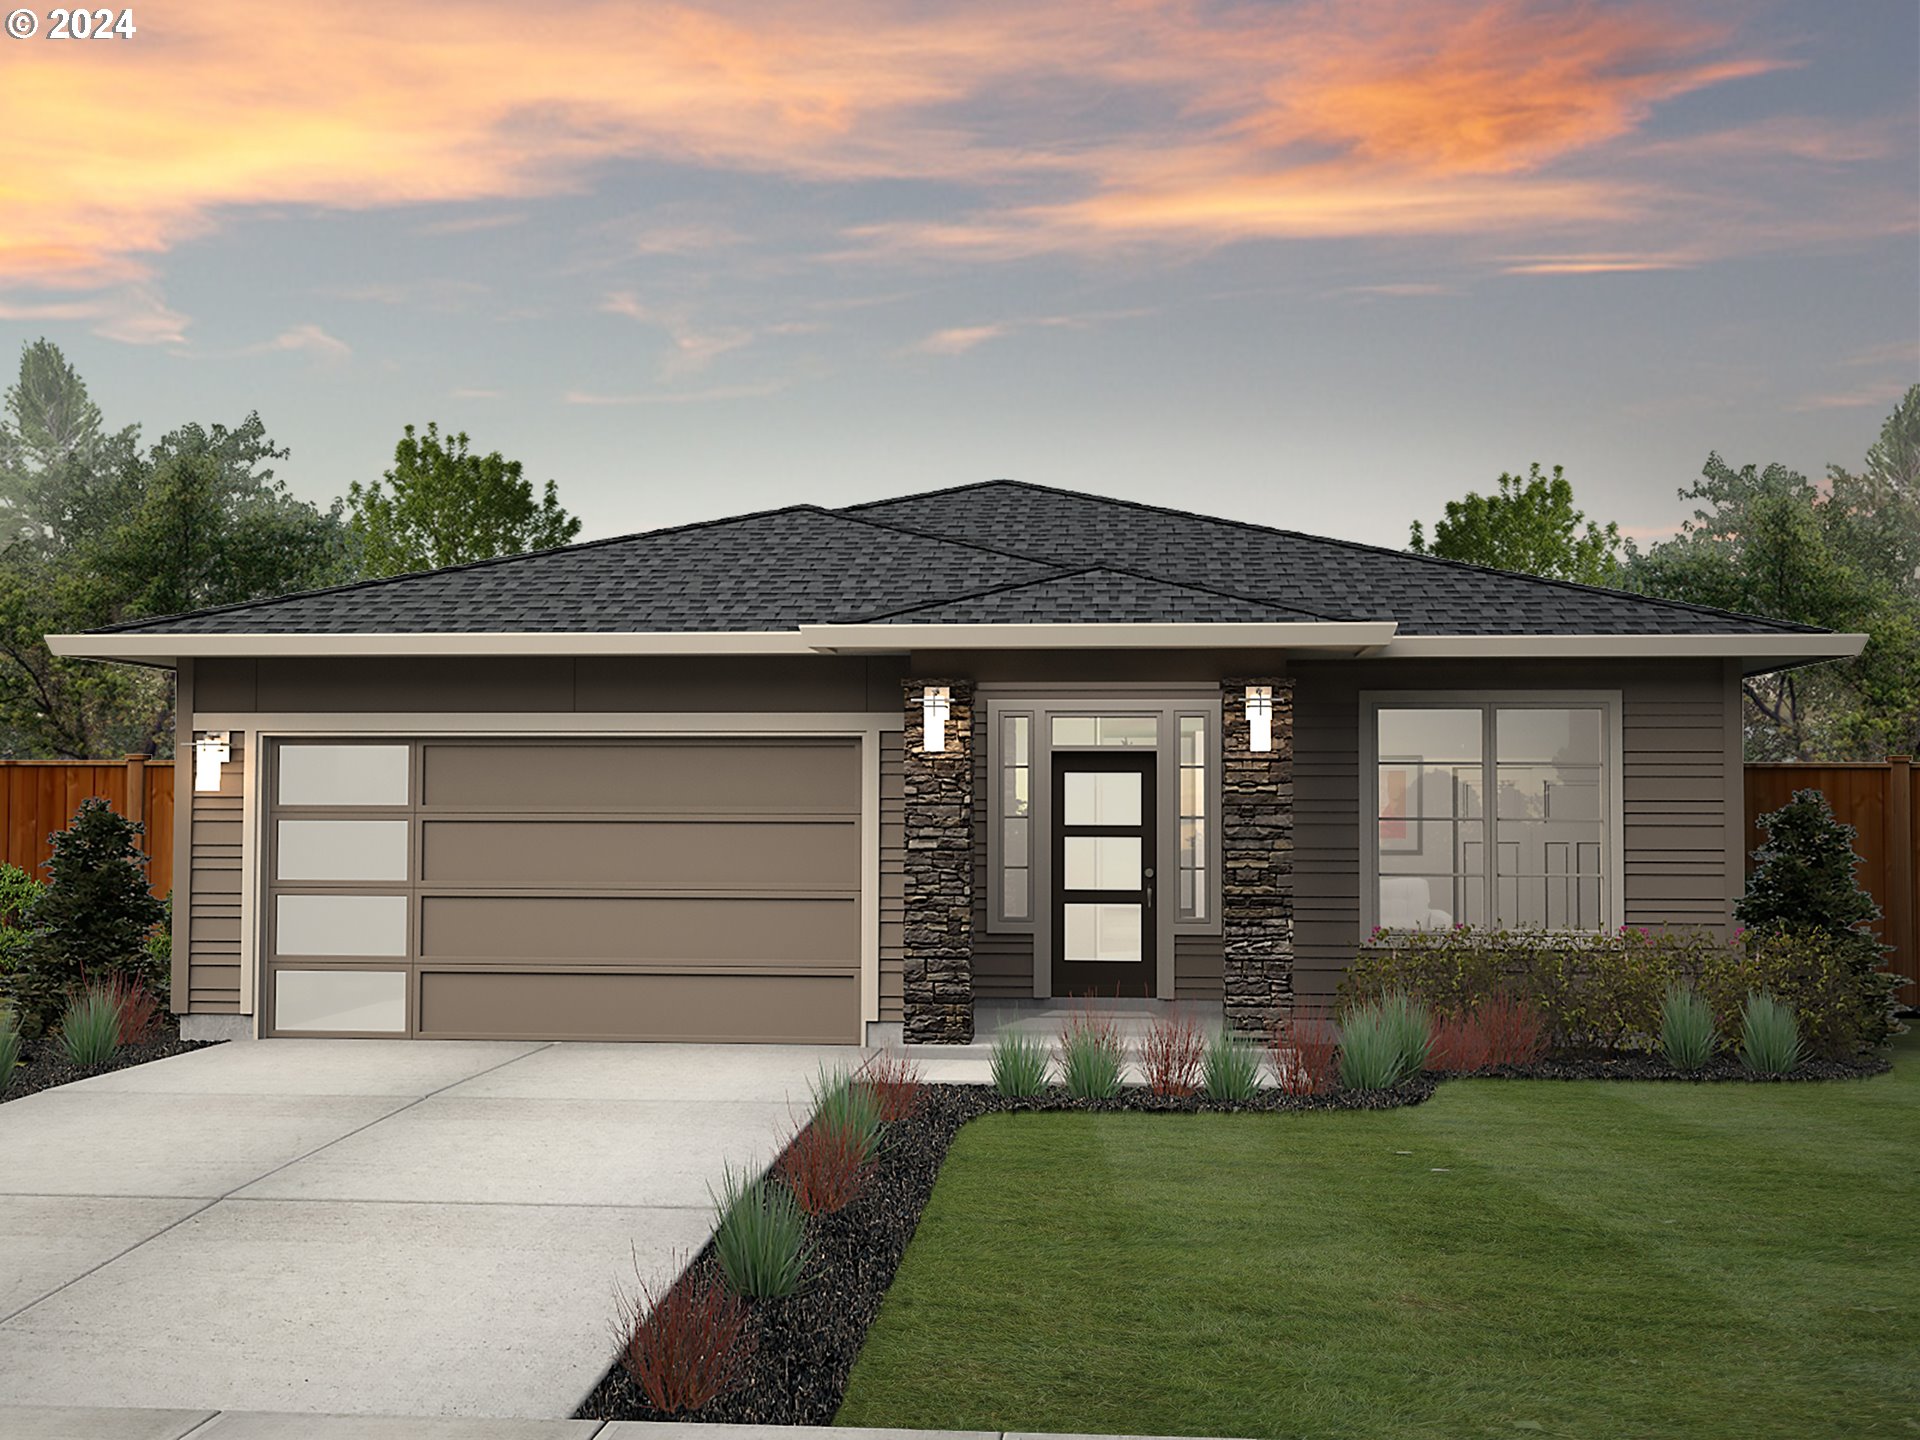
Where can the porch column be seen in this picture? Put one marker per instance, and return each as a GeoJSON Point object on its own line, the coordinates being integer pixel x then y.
{"type": "Point", "coordinates": [937, 977]}
{"type": "Point", "coordinates": [1256, 830]}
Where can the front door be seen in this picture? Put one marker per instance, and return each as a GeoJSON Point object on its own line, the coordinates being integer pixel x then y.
{"type": "Point", "coordinates": [1103, 923]}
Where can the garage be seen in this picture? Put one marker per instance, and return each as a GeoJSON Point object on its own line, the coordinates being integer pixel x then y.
{"type": "Point", "coordinates": [701, 888]}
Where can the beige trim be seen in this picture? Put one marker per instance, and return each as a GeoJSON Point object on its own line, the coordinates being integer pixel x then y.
{"type": "Point", "coordinates": [1757, 652]}
{"type": "Point", "coordinates": [1353, 637]}
{"type": "Point", "coordinates": [182, 981]}
{"type": "Point", "coordinates": [1734, 767]}
{"type": "Point", "coordinates": [556, 723]}
{"type": "Point", "coordinates": [870, 876]}
{"type": "Point", "coordinates": [166, 649]}
{"type": "Point", "coordinates": [252, 799]}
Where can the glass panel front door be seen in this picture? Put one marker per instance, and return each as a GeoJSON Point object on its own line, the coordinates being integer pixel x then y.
{"type": "Point", "coordinates": [1103, 881]}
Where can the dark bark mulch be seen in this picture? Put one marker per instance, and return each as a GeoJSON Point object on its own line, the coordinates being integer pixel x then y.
{"type": "Point", "coordinates": [43, 1064]}
{"type": "Point", "coordinates": [1655, 1067]}
{"type": "Point", "coordinates": [805, 1345]}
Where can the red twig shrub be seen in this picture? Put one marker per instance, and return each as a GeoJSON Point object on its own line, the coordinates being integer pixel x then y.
{"type": "Point", "coordinates": [1515, 1032]}
{"type": "Point", "coordinates": [1305, 1054]}
{"type": "Point", "coordinates": [685, 1347]}
{"type": "Point", "coordinates": [1459, 1045]}
{"type": "Point", "coordinates": [1170, 1055]}
{"type": "Point", "coordinates": [138, 1006]}
{"type": "Point", "coordinates": [894, 1082]}
{"type": "Point", "coordinates": [825, 1167]}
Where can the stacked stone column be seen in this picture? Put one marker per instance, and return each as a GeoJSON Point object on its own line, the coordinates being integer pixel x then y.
{"type": "Point", "coordinates": [938, 967]}
{"type": "Point", "coordinates": [1256, 829]}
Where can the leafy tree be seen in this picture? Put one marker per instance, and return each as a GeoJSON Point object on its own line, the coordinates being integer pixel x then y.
{"type": "Point", "coordinates": [1530, 525]}
{"type": "Point", "coordinates": [93, 531]}
{"type": "Point", "coordinates": [1803, 886]}
{"type": "Point", "coordinates": [1765, 541]}
{"type": "Point", "coordinates": [443, 505]}
{"type": "Point", "coordinates": [94, 918]}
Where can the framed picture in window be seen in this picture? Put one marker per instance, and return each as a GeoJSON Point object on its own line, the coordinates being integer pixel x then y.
{"type": "Point", "coordinates": [1399, 806]}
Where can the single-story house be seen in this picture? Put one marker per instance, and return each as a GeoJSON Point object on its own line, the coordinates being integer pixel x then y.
{"type": "Point", "coordinates": [836, 774]}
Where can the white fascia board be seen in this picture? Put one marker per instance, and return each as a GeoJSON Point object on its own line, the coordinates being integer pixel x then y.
{"type": "Point", "coordinates": [1756, 651]}
{"type": "Point", "coordinates": [150, 649]}
{"type": "Point", "coordinates": [877, 639]}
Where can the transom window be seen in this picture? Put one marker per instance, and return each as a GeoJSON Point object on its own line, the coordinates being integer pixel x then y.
{"type": "Point", "coordinates": [1538, 856]}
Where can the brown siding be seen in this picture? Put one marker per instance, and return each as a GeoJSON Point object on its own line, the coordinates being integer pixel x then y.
{"type": "Point", "coordinates": [1002, 964]}
{"type": "Point", "coordinates": [213, 924]}
{"type": "Point", "coordinates": [1198, 963]}
{"type": "Point", "coordinates": [893, 870]}
{"type": "Point", "coordinates": [1677, 776]}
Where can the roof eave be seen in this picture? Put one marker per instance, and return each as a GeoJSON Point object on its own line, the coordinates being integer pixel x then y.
{"type": "Point", "coordinates": [1756, 652]}
{"type": "Point", "coordinates": [1345, 637]}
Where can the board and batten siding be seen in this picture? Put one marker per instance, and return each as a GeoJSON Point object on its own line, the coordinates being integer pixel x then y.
{"type": "Point", "coordinates": [893, 877]}
{"type": "Point", "coordinates": [1681, 841]}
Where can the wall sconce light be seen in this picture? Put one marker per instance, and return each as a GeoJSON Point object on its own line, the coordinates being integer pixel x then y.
{"type": "Point", "coordinates": [936, 702]}
{"type": "Point", "coordinates": [211, 750]}
{"type": "Point", "coordinates": [1260, 718]}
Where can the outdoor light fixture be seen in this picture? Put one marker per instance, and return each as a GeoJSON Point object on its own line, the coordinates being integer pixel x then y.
{"type": "Point", "coordinates": [935, 702]}
{"type": "Point", "coordinates": [211, 750]}
{"type": "Point", "coordinates": [1259, 718]}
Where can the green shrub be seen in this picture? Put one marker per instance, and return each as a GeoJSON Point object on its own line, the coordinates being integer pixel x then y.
{"type": "Point", "coordinates": [1687, 1031]}
{"type": "Point", "coordinates": [761, 1238]}
{"type": "Point", "coordinates": [1769, 1036]}
{"type": "Point", "coordinates": [94, 919]}
{"type": "Point", "coordinates": [18, 891]}
{"type": "Point", "coordinates": [1090, 1057]}
{"type": "Point", "coordinates": [1842, 1009]}
{"type": "Point", "coordinates": [842, 1107]}
{"type": "Point", "coordinates": [1019, 1066]}
{"type": "Point", "coordinates": [9, 1047]}
{"type": "Point", "coordinates": [1369, 1050]}
{"type": "Point", "coordinates": [1410, 1026]}
{"type": "Point", "coordinates": [90, 1028]}
{"type": "Point", "coordinates": [1231, 1068]}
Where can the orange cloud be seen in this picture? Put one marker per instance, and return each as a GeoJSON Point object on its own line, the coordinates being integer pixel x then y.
{"type": "Point", "coordinates": [1360, 117]}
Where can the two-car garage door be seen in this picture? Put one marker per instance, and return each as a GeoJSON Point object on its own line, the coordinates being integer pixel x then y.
{"type": "Point", "coordinates": [671, 889]}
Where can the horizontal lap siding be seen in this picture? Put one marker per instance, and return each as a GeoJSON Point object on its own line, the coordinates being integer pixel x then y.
{"type": "Point", "coordinates": [1677, 779]}
{"type": "Point", "coordinates": [893, 873]}
{"type": "Point", "coordinates": [1198, 962]}
{"type": "Point", "coordinates": [213, 936]}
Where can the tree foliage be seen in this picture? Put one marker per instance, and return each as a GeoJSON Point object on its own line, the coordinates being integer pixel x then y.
{"type": "Point", "coordinates": [1767, 541]}
{"type": "Point", "coordinates": [94, 530]}
{"type": "Point", "coordinates": [441, 504]}
{"type": "Point", "coordinates": [1530, 525]}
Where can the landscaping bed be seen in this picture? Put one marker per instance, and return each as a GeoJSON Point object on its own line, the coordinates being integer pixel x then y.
{"type": "Point", "coordinates": [804, 1346]}
{"type": "Point", "coordinates": [43, 1064]}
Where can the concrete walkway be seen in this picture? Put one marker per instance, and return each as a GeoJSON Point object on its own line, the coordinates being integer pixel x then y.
{"type": "Point", "coordinates": [54, 1424]}
{"type": "Point", "coordinates": [362, 1226]}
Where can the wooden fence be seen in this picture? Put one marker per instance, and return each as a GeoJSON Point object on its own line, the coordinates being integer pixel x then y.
{"type": "Point", "coordinates": [38, 797]}
{"type": "Point", "coordinates": [1882, 803]}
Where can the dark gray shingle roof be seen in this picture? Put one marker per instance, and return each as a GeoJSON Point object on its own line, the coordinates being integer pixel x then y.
{"type": "Point", "coordinates": [997, 552]}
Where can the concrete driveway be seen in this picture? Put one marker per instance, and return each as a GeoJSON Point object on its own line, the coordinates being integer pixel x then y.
{"type": "Point", "coordinates": [364, 1226]}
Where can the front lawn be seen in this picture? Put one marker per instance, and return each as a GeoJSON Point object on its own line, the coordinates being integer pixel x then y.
{"type": "Point", "coordinates": [1511, 1258]}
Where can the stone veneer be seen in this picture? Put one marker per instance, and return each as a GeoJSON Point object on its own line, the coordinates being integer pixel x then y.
{"type": "Point", "coordinates": [1256, 830]}
{"type": "Point", "coordinates": [937, 978]}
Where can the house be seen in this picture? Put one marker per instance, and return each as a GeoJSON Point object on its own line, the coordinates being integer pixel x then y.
{"type": "Point", "coordinates": [818, 774]}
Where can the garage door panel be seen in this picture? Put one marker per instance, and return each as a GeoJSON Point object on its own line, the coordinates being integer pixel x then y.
{"type": "Point", "coordinates": [558, 929]}
{"type": "Point", "coordinates": [692, 854]}
{"type": "Point", "coordinates": [797, 1009]}
{"type": "Point", "coordinates": [771, 776]}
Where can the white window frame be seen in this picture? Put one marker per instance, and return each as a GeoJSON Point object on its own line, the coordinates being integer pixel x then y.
{"type": "Point", "coordinates": [1613, 814]}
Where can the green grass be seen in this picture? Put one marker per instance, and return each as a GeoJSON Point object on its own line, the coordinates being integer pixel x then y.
{"type": "Point", "coordinates": [1591, 1259]}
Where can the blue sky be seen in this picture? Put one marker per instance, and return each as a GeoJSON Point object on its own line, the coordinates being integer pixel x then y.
{"type": "Point", "coordinates": [1323, 266]}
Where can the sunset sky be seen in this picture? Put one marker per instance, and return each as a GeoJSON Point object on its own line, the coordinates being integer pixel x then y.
{"type": "Point", "coordinates": [1319, 265]}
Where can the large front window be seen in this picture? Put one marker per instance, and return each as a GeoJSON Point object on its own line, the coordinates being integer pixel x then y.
{"type": "Point", "coordinates": [1537, 856]}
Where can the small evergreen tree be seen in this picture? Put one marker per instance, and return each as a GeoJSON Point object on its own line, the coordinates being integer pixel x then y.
{"type": "Point", "coordinates": [95, 917]}
{"type": "Point", "coordinates": [1804, 884]}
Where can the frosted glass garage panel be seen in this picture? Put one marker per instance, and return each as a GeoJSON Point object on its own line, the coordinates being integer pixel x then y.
{"type": "Point", "coordinates": [343, 775]}
{"type": "Point", "coordinates": [341, 850]}
{"type": "Point", "coordinates": [1102, 932]}
{"type": "Point", "coordinates": [340, 925]}
{"type": "Point", "coordinates": [345, 1000]}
